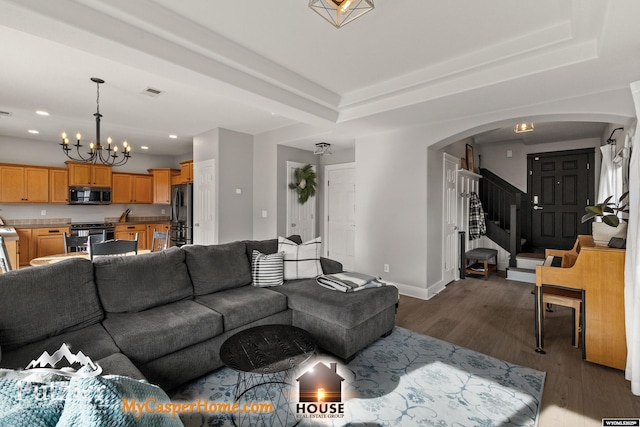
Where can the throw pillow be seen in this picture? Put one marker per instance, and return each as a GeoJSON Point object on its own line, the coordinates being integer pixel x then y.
{"type": "Point", "coordinates": [267, 270]}
{"type": "Point", "coordinates": [301, 261]}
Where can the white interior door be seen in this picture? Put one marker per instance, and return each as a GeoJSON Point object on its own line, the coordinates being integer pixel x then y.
{"type": "Point", "coordinates": [450, 270]}
{"type": "Point", "coordinates": [301, 219]}
{"type": "Point", "coordinates": [340, 220]}
{"type": "Point", "coordinates": [205, 203]}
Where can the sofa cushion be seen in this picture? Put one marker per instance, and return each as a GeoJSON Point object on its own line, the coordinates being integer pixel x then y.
{"type": "Point", "coordinates": [244, 305]}
{"type": "Point", "coordinates": [215, 268]}
{"type": "Point", "coordinates": [149, 334]}
{"type": "Point", "coordinates": [93, 341]}
{"type": "Point", "coordinates": [347, 309]}
{"type": "Point", "coordinates": [119, 364]}
{"type": "Point", "coordinates": [129, 284]}
{"type": "Point", "coordinates": [301, 261]}
{"type": "Point", "coordinates": [40, 302]}
{"type": "Point", "coordinates": [267, 270]}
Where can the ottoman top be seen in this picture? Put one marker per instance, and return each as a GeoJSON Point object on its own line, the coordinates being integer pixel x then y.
{"type": "Point", "coordinates": [481, 253]}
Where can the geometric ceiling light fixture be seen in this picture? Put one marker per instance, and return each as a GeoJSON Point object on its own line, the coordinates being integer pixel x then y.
{"type": "Point", "coordinates": [106, 155]}
{"type": "Point", "coordinates": [341, 12]}
{"type": "Point", "coordinates": [322, 148]}
{"type": "Point", "coordinates": [523, 127]}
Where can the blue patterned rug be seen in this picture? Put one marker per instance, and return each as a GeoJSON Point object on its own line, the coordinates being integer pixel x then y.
{"type": "Point", "coordinates": [403, 379]}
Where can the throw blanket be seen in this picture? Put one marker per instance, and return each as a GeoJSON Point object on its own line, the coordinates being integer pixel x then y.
{"type": "Point", "coordinates": [349, 281]}
{"type": "Point", "coordinates": [477, 226]}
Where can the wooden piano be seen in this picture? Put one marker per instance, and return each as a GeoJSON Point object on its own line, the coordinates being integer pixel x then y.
{"type": "Point", "coordinates": [597, 271]}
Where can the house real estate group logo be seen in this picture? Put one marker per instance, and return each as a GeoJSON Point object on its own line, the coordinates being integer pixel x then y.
{"type": "Point", "coordinates": [320, 392]}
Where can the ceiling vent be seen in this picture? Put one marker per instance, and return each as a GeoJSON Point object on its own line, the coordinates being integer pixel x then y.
{"type": "Point", "coordinates": [149, 91]}
{"type": "Point", "coordinates": [4, 114]}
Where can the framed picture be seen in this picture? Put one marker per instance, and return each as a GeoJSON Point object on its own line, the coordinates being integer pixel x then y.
{"type": "Point", "coordinates": [463, 163]}
{"type": "Point", "coordinates": [470, 163]}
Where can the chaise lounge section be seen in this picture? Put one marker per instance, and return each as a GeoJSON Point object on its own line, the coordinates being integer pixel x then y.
{"type": "Point", "coordinates": [163, 316]}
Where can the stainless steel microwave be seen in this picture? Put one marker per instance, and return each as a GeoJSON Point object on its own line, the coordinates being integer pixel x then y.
{"type": "Point", "coordinates": [89, 196]}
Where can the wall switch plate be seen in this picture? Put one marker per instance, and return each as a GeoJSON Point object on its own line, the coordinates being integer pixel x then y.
{"type": "Point", "coordinates": [161, 211]}
{"type": "Point", "coordinates": [238, 190]}
{"type": "Point", "coordinates": [386, 268]}
{"type": "Point", "coordinates": [264, 214]}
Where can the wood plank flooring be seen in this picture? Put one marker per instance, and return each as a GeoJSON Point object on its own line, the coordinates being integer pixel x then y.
{"type": "Point", "coordinates": [496, 317]}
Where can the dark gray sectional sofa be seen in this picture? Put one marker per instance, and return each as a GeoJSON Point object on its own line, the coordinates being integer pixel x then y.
{"type": "Point", "coordinates": [163, 316]}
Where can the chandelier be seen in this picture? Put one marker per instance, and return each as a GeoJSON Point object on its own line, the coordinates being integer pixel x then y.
{"type": "Point", "coordinates": [341, 12]}
{"type": "Point", "coordinates": [106, 155]}
{"type": "Point", "coordinates": [322, 148]}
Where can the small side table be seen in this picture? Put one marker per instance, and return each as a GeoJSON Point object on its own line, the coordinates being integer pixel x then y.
{"type": "Point", "coordinates": [264, 357]}
{"type": "Point", "coordinates": [480, 258]}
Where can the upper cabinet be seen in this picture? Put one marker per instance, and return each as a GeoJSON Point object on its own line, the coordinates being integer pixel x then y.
{"type": "Point", "coordinates": [58, 185]}
{"type": "Point", "coordinates": [24, 184]}
{"type": "Point", "coordinates": [88, 174]}
{"type": "Point", "coordinates": [161, 185]}
{"type": "Point", "coordinates": [186, 171]}
{"type": "Point", "coordinates": [132, 188]}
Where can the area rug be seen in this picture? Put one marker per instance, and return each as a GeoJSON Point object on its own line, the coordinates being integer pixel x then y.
{"type": "Point", "coordinates": [403, 379]}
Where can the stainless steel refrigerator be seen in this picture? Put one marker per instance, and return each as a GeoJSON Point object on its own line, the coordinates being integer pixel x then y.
{"type": "Point", "coordinates": [181, 214]}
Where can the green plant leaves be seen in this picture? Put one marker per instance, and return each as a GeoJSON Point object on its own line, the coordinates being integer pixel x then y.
{"type": "Point", "coordinates": [305, 183]}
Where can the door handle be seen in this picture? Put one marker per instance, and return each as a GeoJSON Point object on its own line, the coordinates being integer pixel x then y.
{"type": "Point", "coordinates": [293, 225]}
{"type": "Point", "coordinates": [538, 208]}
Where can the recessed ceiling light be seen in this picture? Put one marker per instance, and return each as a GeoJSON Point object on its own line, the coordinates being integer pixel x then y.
{"type": "Point", "coordinates": [33, 131]}
{"type": "Point", "coordinates": [42, 113]}
{"type": "Point", "coordinates": [523, 127]}
{"type": "Point", "coordinates": [173, 136]}
{"type": "Point", "coordinates": [144, 147]}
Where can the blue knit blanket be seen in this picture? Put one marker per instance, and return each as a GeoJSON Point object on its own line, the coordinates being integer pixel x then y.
{"type": "Point", "coordinates": [50, 400]}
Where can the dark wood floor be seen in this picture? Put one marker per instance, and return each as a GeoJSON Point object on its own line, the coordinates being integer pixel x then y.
{"type": "Point", "coordinates": [496, 317]}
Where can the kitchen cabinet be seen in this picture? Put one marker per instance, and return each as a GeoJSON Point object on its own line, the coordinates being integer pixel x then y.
{"type": "Point", "coordinates": [161, 185]}
{"type": "Point", "coordinates": [186, 171]}
{"type": "Point", "coordinates": [24, 184]}
{"type": "Point", "coordinates": [88, 174]}
{"type": "Point", "coordinates": [49, 241]}
{"type": "Point", "coordinates": [132, 188]}
{"type": "Point", "coordinates": [128, 232]}
{"type": "Point", "coordinates": [25, 244]}
{"type": "Point", "coordinates": [58, 185]}
{"type": "Point", "coordinates": [176, 177]}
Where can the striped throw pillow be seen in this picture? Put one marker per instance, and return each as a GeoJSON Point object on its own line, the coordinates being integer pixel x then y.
{"type": "Point", "coordinates": [267, 270]}
{"type": "Point", "coordinates": [301, 261]}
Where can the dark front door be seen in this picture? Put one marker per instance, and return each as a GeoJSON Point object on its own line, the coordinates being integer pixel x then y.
{"type": "Point", "coordinates": [561, 185]}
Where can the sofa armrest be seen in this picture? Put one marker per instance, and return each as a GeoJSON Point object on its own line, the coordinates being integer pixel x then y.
{"type": "Point", "coordinates": [330, 266]}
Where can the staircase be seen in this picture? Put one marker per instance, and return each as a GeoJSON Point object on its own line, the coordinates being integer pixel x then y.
{"type": "Point", "coordinates": [508, 219]}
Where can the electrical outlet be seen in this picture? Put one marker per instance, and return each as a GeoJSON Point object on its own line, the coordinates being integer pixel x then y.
{"type": "Point", "coordinates": [161, 211]}
{"type": "Point", "coordinates": [386, 268]}
{"type": "Point", "coordinates": [43, 212]}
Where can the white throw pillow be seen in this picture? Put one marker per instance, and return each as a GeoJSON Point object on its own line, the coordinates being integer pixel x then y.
{"type": "Point", "coordinates": [267, 270]}
{"type": "Point", "coordinates": [301, 261]}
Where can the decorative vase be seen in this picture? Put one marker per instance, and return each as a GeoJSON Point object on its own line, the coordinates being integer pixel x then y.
{"type": "Point", "coordinates": [602, 232]}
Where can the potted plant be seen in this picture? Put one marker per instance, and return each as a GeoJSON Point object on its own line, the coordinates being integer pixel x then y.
{"type": "Point", "coordinates": [611, 225]}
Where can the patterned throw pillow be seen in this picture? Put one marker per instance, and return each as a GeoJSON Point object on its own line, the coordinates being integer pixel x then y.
{"type": "Point", "coordinates": [267, 270]}
{"type": "Point", "coordinates": [301, 261]}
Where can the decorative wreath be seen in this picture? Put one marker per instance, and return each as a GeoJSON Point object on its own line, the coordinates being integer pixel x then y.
{"type": "Point", "coordinates": [305, 183]}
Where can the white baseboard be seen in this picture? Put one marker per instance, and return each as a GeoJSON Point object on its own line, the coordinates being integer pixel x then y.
{"type": "Point", "coordinates": [420, 293]}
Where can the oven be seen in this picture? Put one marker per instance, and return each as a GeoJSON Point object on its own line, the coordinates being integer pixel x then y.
{"type": "Point", "coordinates": [91, 228]}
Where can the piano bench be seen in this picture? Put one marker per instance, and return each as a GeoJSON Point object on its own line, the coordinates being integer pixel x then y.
{"type": "Point", "coordinates": [565, 298]}
{"type": "Point", "coordinates": [481, 256]}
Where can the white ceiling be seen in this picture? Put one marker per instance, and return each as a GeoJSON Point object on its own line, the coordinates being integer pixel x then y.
{"type": "Point", "coordinates": [261, 66]}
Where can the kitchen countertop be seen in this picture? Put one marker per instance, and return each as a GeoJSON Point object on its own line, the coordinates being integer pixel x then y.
{"type": "Point", "coordinates": [8, 232]}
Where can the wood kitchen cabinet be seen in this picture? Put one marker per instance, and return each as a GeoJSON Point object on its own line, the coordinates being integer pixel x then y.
{"type": "Point", "coordinates": [58, 185]}
{"type": "Point", "coordinates": [161, 185]}
{"type": "Point", "coordinates": [128, 232]}
{"type": "Point", "coordinates": [49, 241]}
{"type": "Point", "coordinates": [88, 174]}
{"type": "Point", "coordinates": [186, 171]}
{"type": "Point", "coordinates": [132, 188]}
{"type": "Point", "coordinates": [24, 184]}
{"type": "Point", "coordinates": [25, 244]}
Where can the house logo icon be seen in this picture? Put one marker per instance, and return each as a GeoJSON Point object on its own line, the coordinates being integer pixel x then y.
{"type": "Point", "coordinates": [320, 392]}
